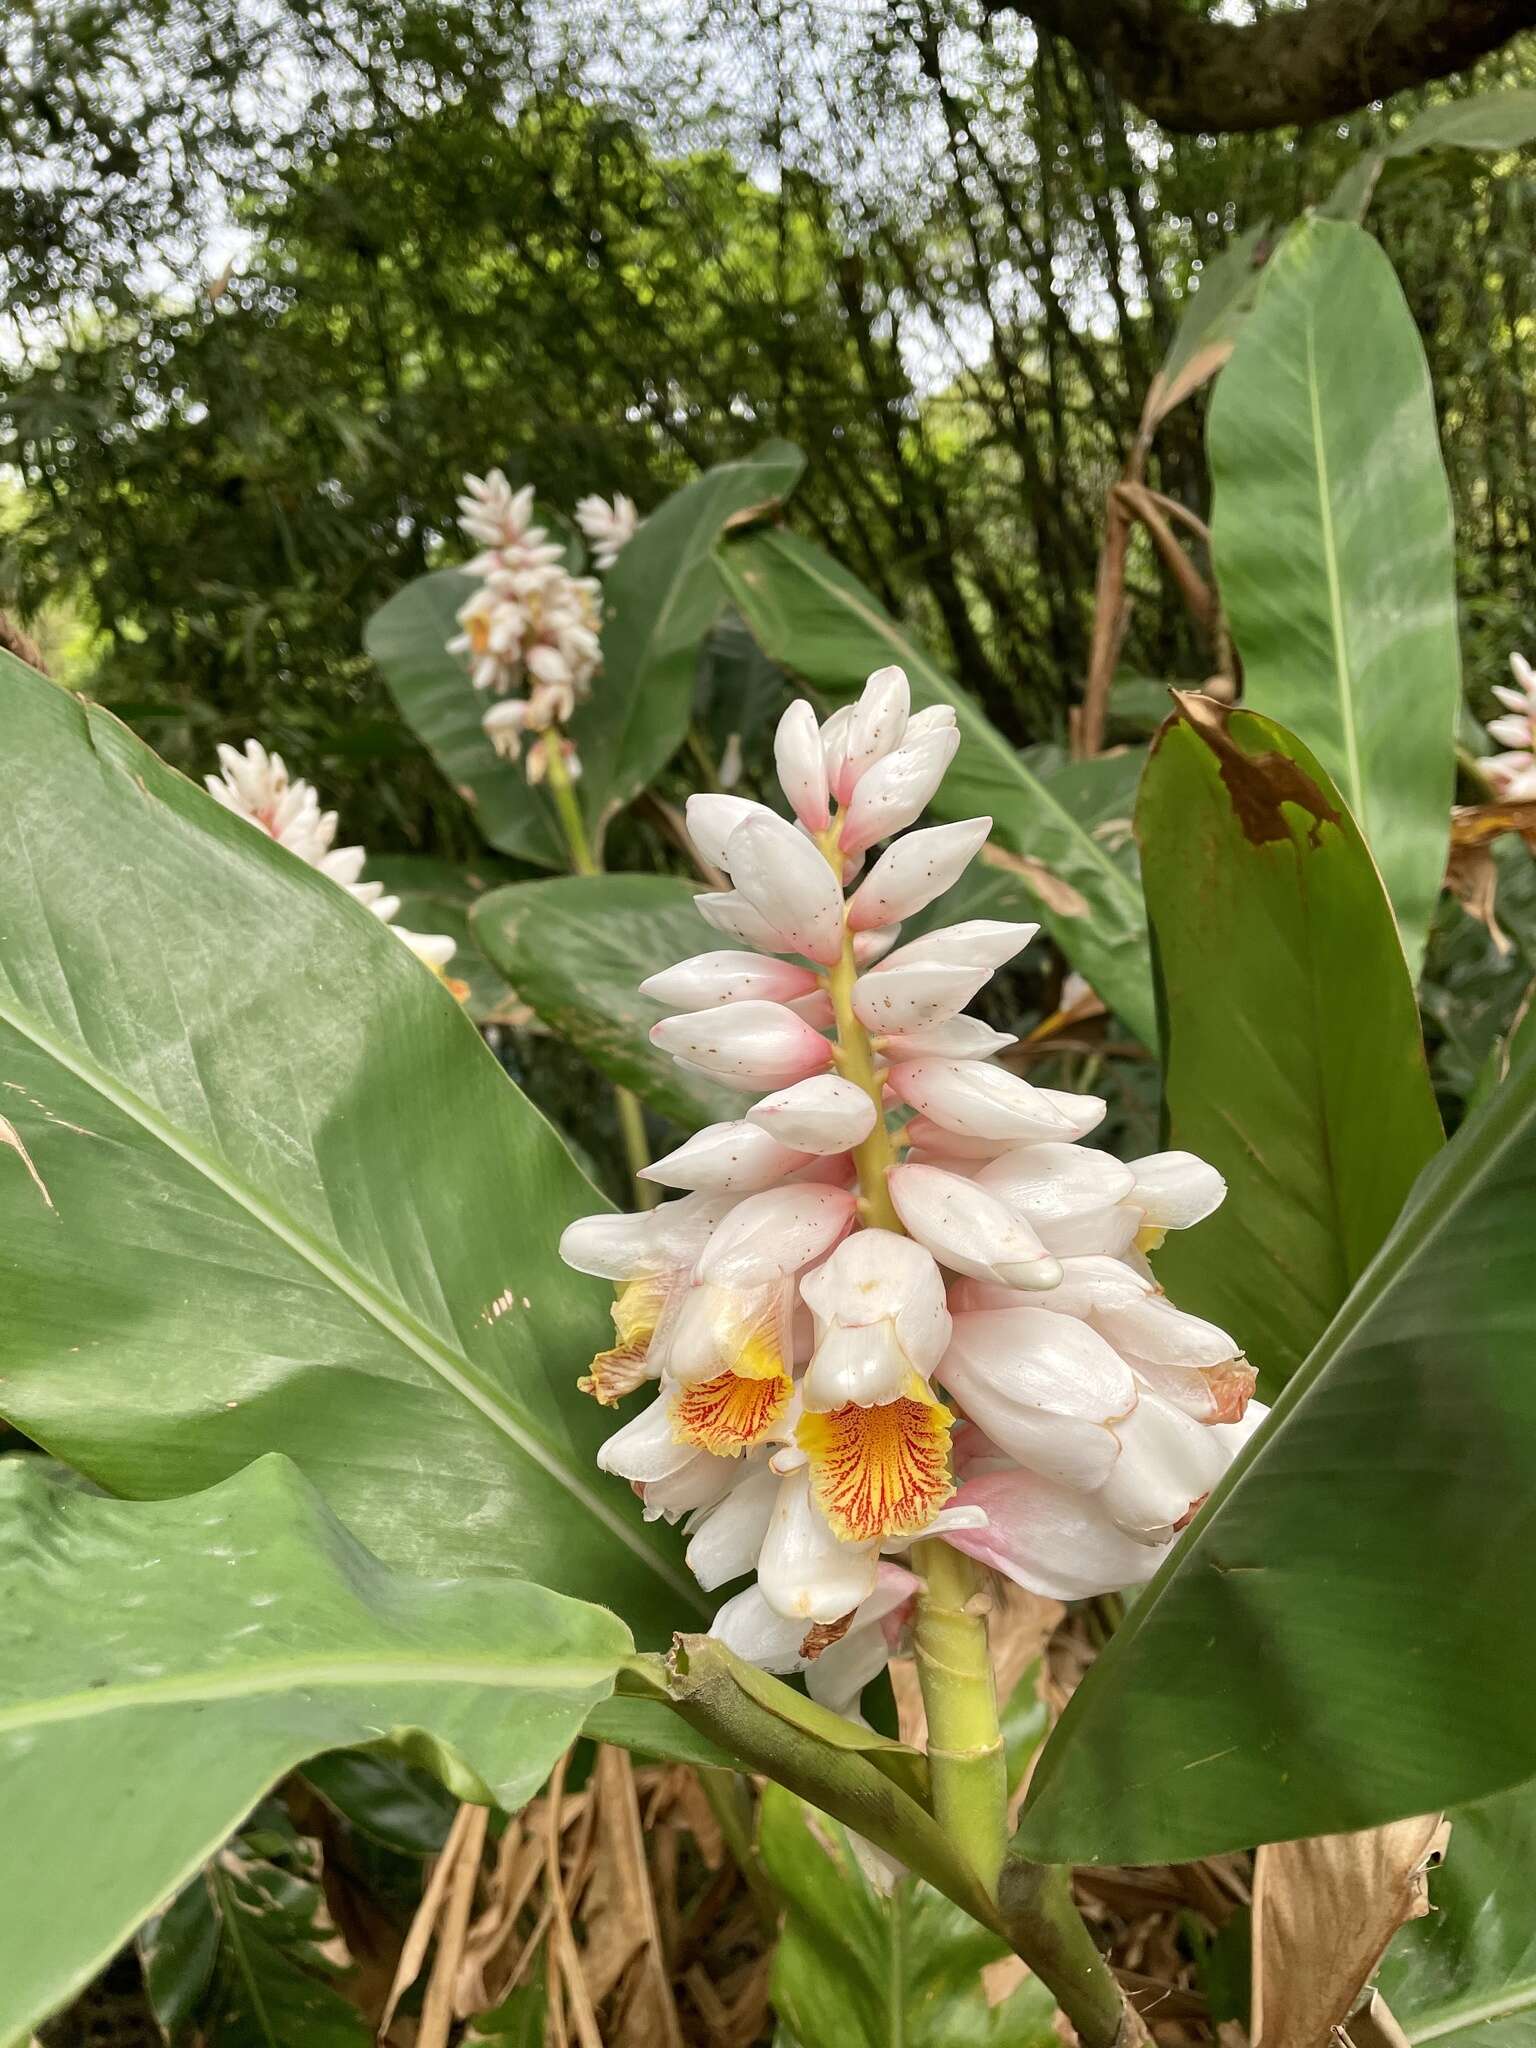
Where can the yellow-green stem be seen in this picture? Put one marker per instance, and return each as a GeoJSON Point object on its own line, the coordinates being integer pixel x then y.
{"type": "Point", "coordinates": [967, 1763]}
{"type": "Point", "coordinates": [563, 794]}
{"type": "Point", "coordinates": [584, 861]}
{"type": "Point", "coordinates": [875, 1156]}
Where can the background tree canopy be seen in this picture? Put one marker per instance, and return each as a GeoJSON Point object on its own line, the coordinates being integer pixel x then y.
{"type": "Point", "coordinates": [275, 276]}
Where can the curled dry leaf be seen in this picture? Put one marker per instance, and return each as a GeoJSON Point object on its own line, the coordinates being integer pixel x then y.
{"type": "Point", "coordinates": [1470, 873]}
{"type": "Point", "coordinates": [1324, 1910]}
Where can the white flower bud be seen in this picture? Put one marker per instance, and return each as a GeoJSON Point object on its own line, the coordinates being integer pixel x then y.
{"type": "Point", "coordinates": [976, 1099]}
{"type": "Point", "coordinates": [710, 979]}
{"type": "Point", "coordinates": [969, 1230]}
{"type": "Point", "coordinates": [911, 873]}
{"type": "Point", "coordinates": [823, 1115]}
{"type": "Point", "coordinates": [749, 1045]}
{"type": "Point", "coordinates": [892, 793]}
{"type": "Point", "coordinates": [802, 766]}
{"type": "Point", "coordinates": [786, 880]}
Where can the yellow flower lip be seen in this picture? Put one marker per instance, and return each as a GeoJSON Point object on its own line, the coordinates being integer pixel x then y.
{"type": "Point", "coordinates": [730, 1413]}
{"type": "Point", "coordinates": [880, 1472]}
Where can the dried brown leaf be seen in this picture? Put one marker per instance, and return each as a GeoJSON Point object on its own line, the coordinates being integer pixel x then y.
{"type": "Point", "coordinates": [437, 2009]}
{"type": "Point", "coordinates": [1324, 1909]}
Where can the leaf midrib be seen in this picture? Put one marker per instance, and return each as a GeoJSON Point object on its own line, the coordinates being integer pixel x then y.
{"type": "Point", "coordinates": [1455, 2020]}
{"type": "Point", "coordinates": [330, 1673]}
{"type": "Point", "coordinates": [394, 1322]}
{"type": "Point", "coordinates": [1342, 677]}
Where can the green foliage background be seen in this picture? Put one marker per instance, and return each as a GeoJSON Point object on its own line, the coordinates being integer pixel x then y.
{"type": "Point", "coordinates": [274, 278]}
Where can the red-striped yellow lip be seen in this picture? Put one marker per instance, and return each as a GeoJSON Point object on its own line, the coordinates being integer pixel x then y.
{"type": "Point", "coordinates": [879, 1472]}
{"type": "Point", "coordinates": [731, 1412]}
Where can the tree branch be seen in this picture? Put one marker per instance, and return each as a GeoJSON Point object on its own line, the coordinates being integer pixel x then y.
{"type": "Point", "coordinates": [1298, 65]}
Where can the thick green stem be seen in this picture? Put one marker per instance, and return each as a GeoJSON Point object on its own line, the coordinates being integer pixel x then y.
{"type": "Point", "coordinates": [585, 862]}
{"type": "Point", "coordinates": [967, 1764]}
{"type": "Point", "coordinates": [1044, 1926]}
{"type": "Point", "coordinates": [563, 794]}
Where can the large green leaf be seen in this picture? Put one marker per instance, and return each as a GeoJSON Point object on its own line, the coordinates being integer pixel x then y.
{"type": "Point", "coordinates": [1347, 1635]}
{"type": "Point", "coordinates": [1331, 532]}
{"type": "Point", "coordinates": [577, 950]}
{"type": "Point", "coordinates": [1466, 1975]}
{"type": "Point", "coordinates": [408, 638]}
{"type": "Point", "coordinates": [856, 1968]}
{"type": "Point", "coordinates": [1292, 1058]}
{"type": "Point", "coordinates": [662, 597]}
{"type": "Point", "coordinates": [291, 1201]}
{"type": "Point", "coordinates": [163, 1664]}
{"type": "Point", "coordinates": [821, 623]}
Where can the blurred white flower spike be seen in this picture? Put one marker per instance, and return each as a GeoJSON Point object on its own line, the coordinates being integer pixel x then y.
{"type": "Point", "coordinates": [1512, 773]}
{"type": "Point", "coordinates": [256, 786]}
{"type": "Point", "coordinates": [530, 632]}
{"type": "Point", "coordinates": [863, 1326]}
{"type": "Point", "coordinates": [609, 527]}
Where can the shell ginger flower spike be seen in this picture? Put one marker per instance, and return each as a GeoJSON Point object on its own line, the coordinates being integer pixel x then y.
{"type": "Point", "coordinates": [899, 1298]}
{"type": "Point", "coordinates": [1513, 772]}
{"type": "Point", "coordinates": [530, 632]}
{"type": "Point", "coordinates": [256, 786]}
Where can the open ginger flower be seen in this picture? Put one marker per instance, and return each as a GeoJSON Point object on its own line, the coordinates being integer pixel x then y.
{"type": "Point", "coordinates": [899, 1299]}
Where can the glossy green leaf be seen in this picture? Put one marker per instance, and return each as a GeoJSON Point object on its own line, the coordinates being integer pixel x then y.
{"type": "Point", "coordinates": [661, 598]}
{"type": "Point", "coordinates": [237, 1960]}
{"type": "Point", "coordinates": [167, 1662]}
{"type": "Point", "coordinates": [1331, 533]}
{"type": "Point", "coordinates": [1466, 1974]}
{"type": "Point", "coordinates": [408, 638]}
{"type": "Point", "coordinates": [1292, 1054]}
{"type": "Point", "coordinates": [437, 896]}
{"type": "Point", "coordinates": [285, 1198]}
{"type": "Point", "coordinates": [577, 950]}
{"type": "Point", "coordinates": [391, 1801]}
{"type": "Point", "coordinates": [822, 624]}
{"type": "Point", "coordinates": [1347, 1635]}
{"type": "Point", "coordinates": [856, 1968]}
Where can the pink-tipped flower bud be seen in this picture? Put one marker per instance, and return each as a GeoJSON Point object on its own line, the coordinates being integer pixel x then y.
{"type": "Point", "coordinates": [787, 882]}
{"type": "Point", "coordinates": [750, 1045]}
{"type": "Point", "coordinates": [1053, 1539]}
{"type": "Point", "coordinates": [710, 979]}
{"type": "Point", "coordinates": [736, 1158]}
{"type": "Point", "coordinates": [713, 817]}
{"type": "Point", "coordinates": [876, 727]}
{"type": "Point", "coordinates": [823, 1115]}
{"type": "Point", "coordinates": [969, 1230]}
{"type": "Point", "coordinates": [1063, 1191]}
{"type": "Point", "coordinates": [802, 765]}
{"type": "Point", "coordinates": [730, 912]}
{"type": "Point", "coordinates": [976, 1100]}
{"type": "Point", "coordinates": [909, 875]}
{"type": "Point", "coordinates": [776, 1233]}
{"type": "Point", "coordinates": [897, 788]}
{"type": "Point", "coordinates": [951, 1038]}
